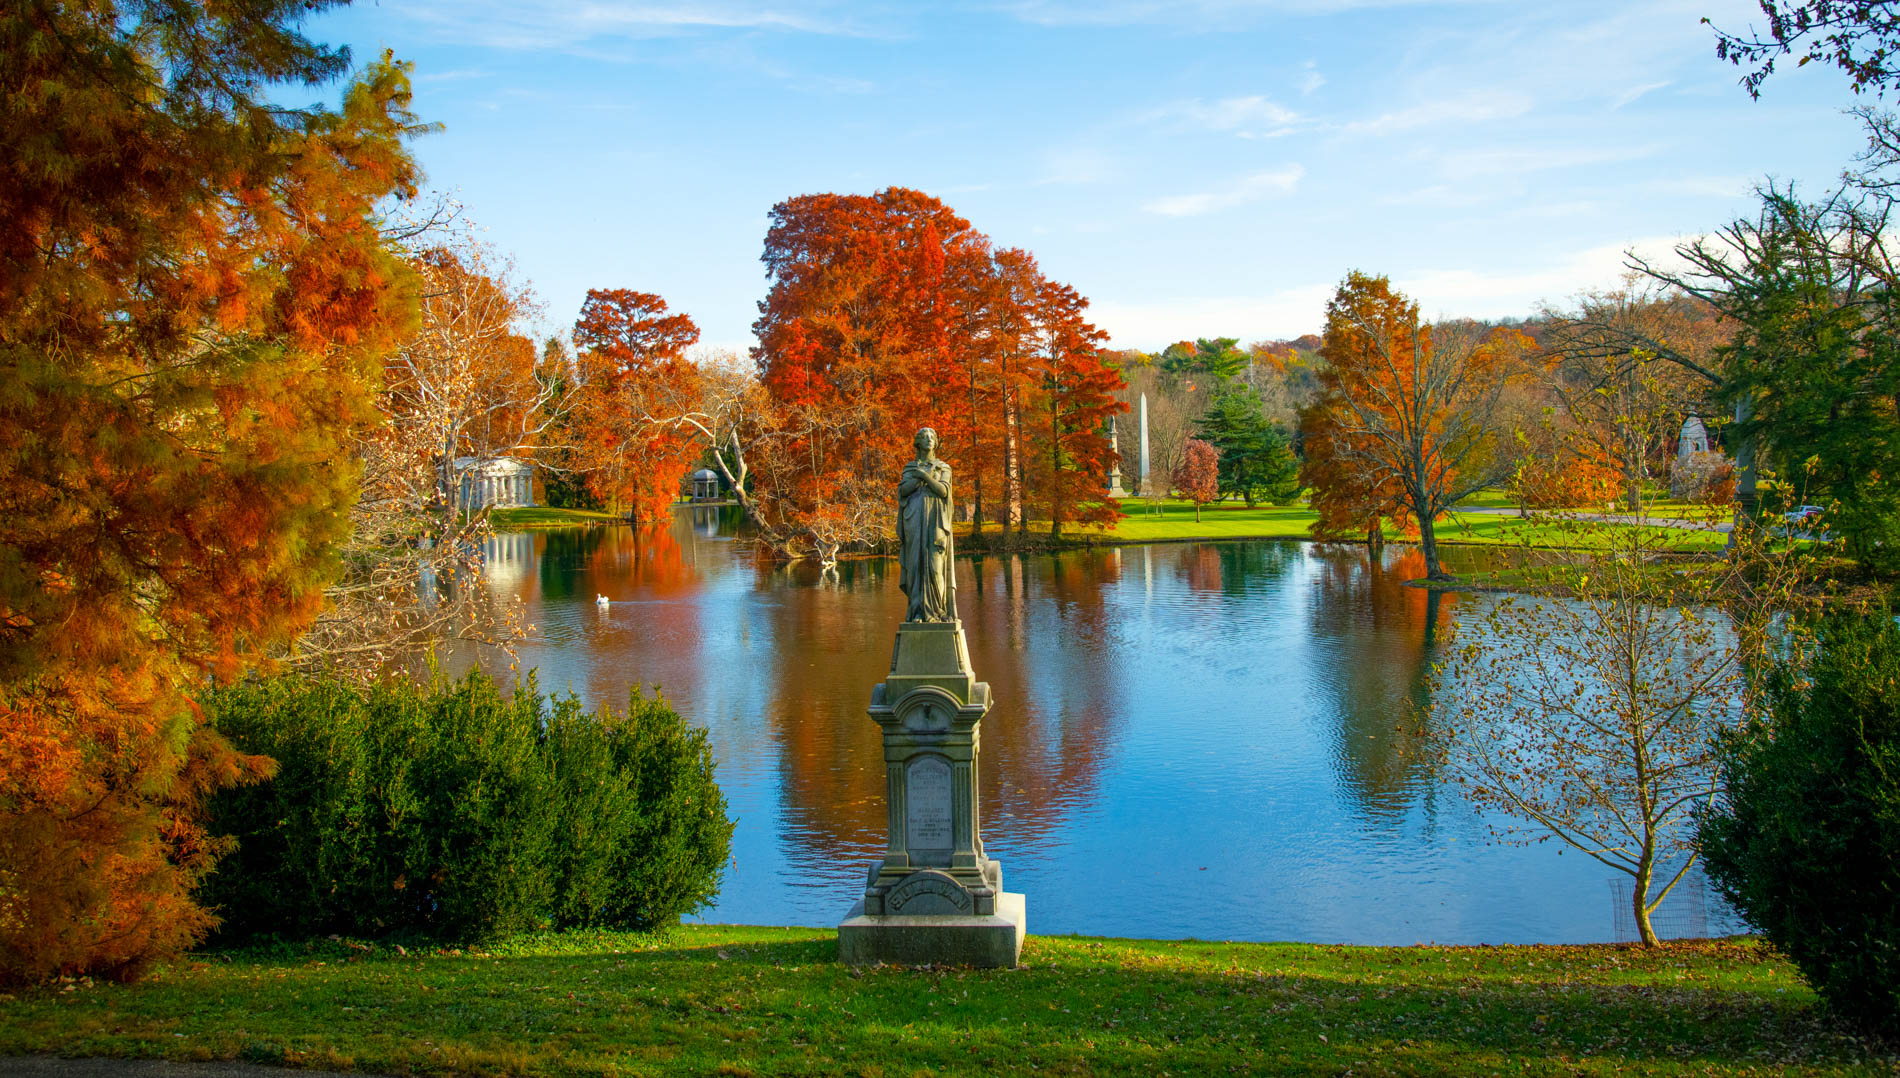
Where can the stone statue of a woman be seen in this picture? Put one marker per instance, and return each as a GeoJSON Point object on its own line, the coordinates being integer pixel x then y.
{"type": "Point", "coordinates": [926, 553]}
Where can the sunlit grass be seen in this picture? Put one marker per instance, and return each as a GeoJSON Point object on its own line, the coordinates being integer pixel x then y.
{"type": "Point", "coordinates": [732, 1000]}
{"type": "Point", "coordinates": [541, 516]}
{"type": "Point", "coordinates": [1498, 529]}
{"type": "Point", "coordinates": [1225, 520]}
{"type": "Point", "coordinates": [1220, 520]}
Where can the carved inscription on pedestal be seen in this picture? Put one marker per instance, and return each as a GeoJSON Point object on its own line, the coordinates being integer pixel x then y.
{"type": "Point", "coordinates": [928, 893]}
{"type": "Point", "coordinates": [927, 806]}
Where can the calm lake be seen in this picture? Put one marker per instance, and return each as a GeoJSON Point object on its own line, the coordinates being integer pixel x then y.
{"type": "Point", "coordinates": [1188, 740]}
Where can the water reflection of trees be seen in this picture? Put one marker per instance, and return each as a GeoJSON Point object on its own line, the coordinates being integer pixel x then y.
{"type": "Point", "coordinates": [830, 642]}
{"type": "Point", "coordinates": [1038, 632]}
{"type": "Point", "coordinates": [617, 561]}
{"type": "Point", "coordinates": [1042, 636]}
{"type": "Point", "coordinates": [1375, 638]}
{"type": "Point", "coordinates": [1234, 569]}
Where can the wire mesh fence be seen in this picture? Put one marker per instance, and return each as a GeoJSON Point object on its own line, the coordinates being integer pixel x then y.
{"type": "Point", "coordinates": [1692, 911]}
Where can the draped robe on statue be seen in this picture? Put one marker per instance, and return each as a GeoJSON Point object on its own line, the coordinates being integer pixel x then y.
{"type": "Point", "coordinates": [926, 550]}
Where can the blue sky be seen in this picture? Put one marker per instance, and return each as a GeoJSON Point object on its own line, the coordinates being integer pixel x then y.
{"type": "Point", "coordinates": [1196, 168]}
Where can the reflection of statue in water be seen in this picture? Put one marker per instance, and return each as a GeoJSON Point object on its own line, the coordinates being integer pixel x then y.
{"type": "Point", "coordinates": [926, 552]}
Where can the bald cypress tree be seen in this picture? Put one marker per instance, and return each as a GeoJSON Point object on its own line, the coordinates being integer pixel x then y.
{"type": "Point", "coordinates": [194, 303]}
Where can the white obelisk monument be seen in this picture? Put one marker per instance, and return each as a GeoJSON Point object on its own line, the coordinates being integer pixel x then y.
{"type": "Point", "coordinates": [1141, 481]}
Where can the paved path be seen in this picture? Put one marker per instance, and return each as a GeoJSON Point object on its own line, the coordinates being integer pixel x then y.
{"type": "Point", "coordinates": [100, 1067]}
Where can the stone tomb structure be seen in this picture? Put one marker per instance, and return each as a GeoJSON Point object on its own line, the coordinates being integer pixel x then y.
{"type": "Point", "coordinates": [493, 482]}
{"type": "Point", "coordinates": [934, 898]}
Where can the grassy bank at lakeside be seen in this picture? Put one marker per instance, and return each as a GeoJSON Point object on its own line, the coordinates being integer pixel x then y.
{"type": "Point", "coordinates": [1176, 523]}
{"type": "Point", "coordinates": [541, 516]}
{"type": "Point", "coordinates": [717, 999]}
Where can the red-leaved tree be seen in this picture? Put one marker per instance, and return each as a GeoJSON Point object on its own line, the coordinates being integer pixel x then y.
{"type": "Point", "coordinates": [1197, 477]}
{"type": "Point", "coordinates": [633, 363]}
{"type": "Point", "coordinates": [889, 312]}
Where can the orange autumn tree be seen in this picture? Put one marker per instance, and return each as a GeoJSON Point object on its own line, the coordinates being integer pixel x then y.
{"type": "Point", "coordinates": [853, 348]}
{"type": "Point", "coordinates": [1560, 467]}
{"type": "Point", "coordinates": [1407, 411]}
{"type": "Point", "coordinates": [1067, 442]}
{"type": "Point", "coordinates": [890, 312]}
{"type": "Point", "coordinates": [632, 362]}
{"type": "Point", "coordinates": [194, 304]}
{"type": "Point", "coordinates": [1350, 494]}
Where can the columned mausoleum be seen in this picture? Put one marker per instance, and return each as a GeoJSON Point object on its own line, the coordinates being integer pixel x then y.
{"type": "Point", "coordinates": [493, 482]}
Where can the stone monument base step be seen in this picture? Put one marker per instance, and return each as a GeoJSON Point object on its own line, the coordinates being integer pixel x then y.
{"type": "Point", "coordinates": [936, 939]}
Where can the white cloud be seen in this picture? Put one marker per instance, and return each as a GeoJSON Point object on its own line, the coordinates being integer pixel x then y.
{"type": "Point", "coordinates": [1512, 162]}
{"type": "Point", "coordinates": [1152, 325]}
{"type": "Point", "coordinates": [1635, 92]}
{"type": "Point", "coordinates": [1464, 109]}
{"type": "Point", "coordinates": [1519, 290]}
{"type": "Point", "coordinates": [1441, 293]}
{"type": "Point", "coordinates": [1437, 196]}
{"type": "Point", "coordinates": [458, 75]}
{"type": "Point", "coordinates": [1077, 164]}
{"type": "Point", "coordinates": [1248, 117]}
{"type": "Point", "coordinates": [1195, 14]}
{"type": "Point", "coordinates": [1251, 189]}
{"type": "Point", "coordinates": [1310, 79]}
{"type": "Point", "coordinates": [1723, 187]}
{"type": "Point", "coordinates": [566, 24]}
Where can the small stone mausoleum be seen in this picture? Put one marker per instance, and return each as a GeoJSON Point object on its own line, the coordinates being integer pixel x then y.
{"type": "Point", "coordinates": [493, 482]}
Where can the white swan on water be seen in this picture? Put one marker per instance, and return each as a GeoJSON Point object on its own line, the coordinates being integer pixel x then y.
{"type": "Point", "coordinates": [601, 601]}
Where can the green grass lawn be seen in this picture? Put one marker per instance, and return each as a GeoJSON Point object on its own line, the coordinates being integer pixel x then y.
{"type": "Point", "coordinates": [1497, 529]}
{"type": "Point", "coordinates": [1218, 521]}
{"type": "Point", "coordinates": [1223, 520]}
{"type": "Point", "coordinates": [541, 516]}
{"type": "Point", "coordinates": [743, 1001]}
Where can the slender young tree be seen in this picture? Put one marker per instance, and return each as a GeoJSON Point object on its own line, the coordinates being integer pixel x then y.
{"type": "Point", "coordinates": [1590, 715]}
{"type": "Point", "coordinates": [1197, 477]}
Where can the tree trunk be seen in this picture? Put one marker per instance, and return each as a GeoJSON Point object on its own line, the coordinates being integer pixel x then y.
{"type": "Point", "coordinates": [1632, 471]}
{"type": "Point", "coordinates": [1375, 536]}
{"type": "Point", "coordinates": [1428, 544]}
{"type": "Point", "coordinates": [1055, 470]}
{"type": "Point", "coordinates": [1639, 902]}
{"type": "Point", "coordinates": [976, 472]}
{"type": "Point", "coordinates": [1197, 511]}
{"type": "Point", "coordinates": [1747, 499]}
{"type": "Point", "coordinates": [1012, 514]}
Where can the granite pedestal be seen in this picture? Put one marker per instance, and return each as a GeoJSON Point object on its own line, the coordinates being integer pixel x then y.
{"type": "Point", "coordinates": [934, 898]}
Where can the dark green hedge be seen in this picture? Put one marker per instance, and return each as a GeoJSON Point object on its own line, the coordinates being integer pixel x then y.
{"type": "Point", "coordinates": [454, 811]}
{"type": "Point", "coordinates": [1805, 838]}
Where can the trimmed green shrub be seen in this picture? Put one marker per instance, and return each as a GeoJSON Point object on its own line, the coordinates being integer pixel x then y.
{"type": "Point", "coordinates": [454, 811]}
{"type": "Point", "coordinates": [1805, 838]}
